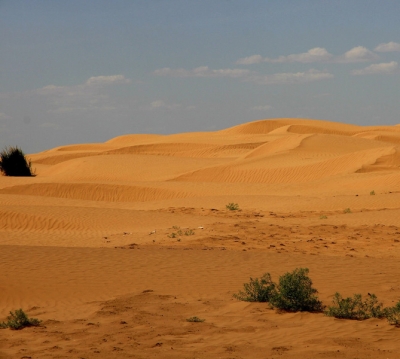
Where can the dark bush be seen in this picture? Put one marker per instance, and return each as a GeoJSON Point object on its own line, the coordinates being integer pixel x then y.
{"type": "Point", "coordinates": [14, 163]}
{"type": "Point", "coordinates": [258, 290]}
{"type": "Point", "coordinates": [18, 320]}
{"type": "Point", "coordinates": [392, 314]}
{"type": "Point", "coordinates": [295, 293]}
{"type": "Point", "coordinates": [356, 307]}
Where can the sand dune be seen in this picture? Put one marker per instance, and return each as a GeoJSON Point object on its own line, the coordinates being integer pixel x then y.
{"type": "Point", "coordinates": [94, 192]}
{"type": "Point", "coordinates": [119, 168]}
{"type": "Point", "coordinates": [294, 125]}
{"type": "Point", "coordinates": [296, 170]}
{"type": "Point", "coordinates": [114, 245]}
{"type": "Point", "coordinates": [133, 139]}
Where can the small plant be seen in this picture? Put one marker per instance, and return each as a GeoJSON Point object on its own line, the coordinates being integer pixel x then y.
{"type": "Point", "coordinates": [323, 217]}
{"type": "Point", "coordinates": [257, 290]}
{"type": "Point", "coordinates": [372, 193]}
{"type": "Point", "coordinates": [180, 232]}
{"type": "Point", "coordinates": [232, 206]}
{"type": "Point", "coordinates": [295, 293]}
{"type": "Point", "coordinates": [18, 320]}
{"type": "Point", "coordinates": [195, 320]}
{"type": "Point", "coordinates": [356, 307]}
{"type": "Point", "coordinates": [392, 314]}
{"type": "Point", "coordinates": [14, 163]}
{"type": "Point", "coordinates": [347, 210]}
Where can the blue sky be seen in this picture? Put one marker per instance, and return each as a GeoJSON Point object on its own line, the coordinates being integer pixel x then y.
{"type": "Point", "coordinates": [86, 71]}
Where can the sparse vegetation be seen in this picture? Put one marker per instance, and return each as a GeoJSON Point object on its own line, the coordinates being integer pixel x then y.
{"type": "Point", "coordinates": [392, 314]}
{"type": "Point", "coordinates": [14, 163]}
{"type": "Point", "coordinates": [232, 206]}
{"type": "Point", "coordinates": [356, 307]}
{"type": "Point", "coordinates": [195, 320]}
{"type": "Point", "coordinates": [347, 210]}
{"type": "Point", "coordinates": [257, 290]}
{"type": "Point", "coordinates": [19, 320]}
{"type": "Point", "coordinates": [323, 217]}
{"type": "Point", "coordinates": [179, 232]}
{"type": "Point", "coordinates": [293, 293]}
{"type": "Point", "coordinates": [372, 193]}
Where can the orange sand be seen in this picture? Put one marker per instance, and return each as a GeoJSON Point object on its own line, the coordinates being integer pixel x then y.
{"type": "Point", "coordinates": [113, 245]}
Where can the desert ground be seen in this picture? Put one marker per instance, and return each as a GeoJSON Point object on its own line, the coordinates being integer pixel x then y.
{"type": "Point", "coordinates": [114, 245]}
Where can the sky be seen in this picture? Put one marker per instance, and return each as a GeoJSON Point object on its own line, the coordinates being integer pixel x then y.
{"type": "Point", "coordinates": [86, 71]}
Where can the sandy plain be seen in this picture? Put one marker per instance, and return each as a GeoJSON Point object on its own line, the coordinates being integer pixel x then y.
{"type": "Point", "coordinates": [114, 245]}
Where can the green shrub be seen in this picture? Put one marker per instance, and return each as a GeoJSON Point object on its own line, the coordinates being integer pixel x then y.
{"type": "Point", "coordinates": [195, 320]}
{"type": "Point", "coordinates": [356, 307]}
{"type": "Point", "coordinates": [392, 314]}
{"type": "Point", "coordinates": [18, 320]}
{"type": "Point", "coordinates": [347, 210]}
{"type": "Point", "coordinates": [180, 232]}
{"type": "Point", "coordinates": [295, 293]}
{"type": "Point", "coordinates": [14, 163]}
{"type": "Point", "coordinates": [232, 206]}
{"type": "Point", "coordinates": [257, 290]}
{"type": "Point", "coordinates": [372, 193]}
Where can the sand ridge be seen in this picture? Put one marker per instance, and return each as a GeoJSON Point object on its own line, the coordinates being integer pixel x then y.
{"type": "Point", "coordinates": [114, 245]}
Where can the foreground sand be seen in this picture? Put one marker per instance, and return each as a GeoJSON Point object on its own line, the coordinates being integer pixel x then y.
{"type": "Point", "coordinates": [114, 245]}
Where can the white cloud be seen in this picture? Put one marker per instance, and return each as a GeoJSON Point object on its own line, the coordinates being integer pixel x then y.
{"type": "Point", "coordinates": [162, 105]}
{"type": "Point", "coordinates": [316, 54]}
{"type": "Point", "coordinates": [49, 90]}
{"type": "Point", "coordinates": [357, 54]}
{"type": "Point", "coordinates": [254, 59]}
{"type": "Point", "coordinates": [291, 78]}
{"type": "Point", "coordinates": [91, 84]}
{"type": "Point", "coordinates": [247, 76]}
{"type": "Point", "coordinates": [91, 95]}
{"type": "Point", "coordinates": [202, 71]}
{"type": "Point", "coordinates": [261, 108]}
{"type": "Point", "coordinates": [382, 68]}
{"type": "Point", "coordinates": [107, 80]}
{"type": "Point", "coordinates": [388, 47]}
{"type": "Point", "coordinates": [82, 108]}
